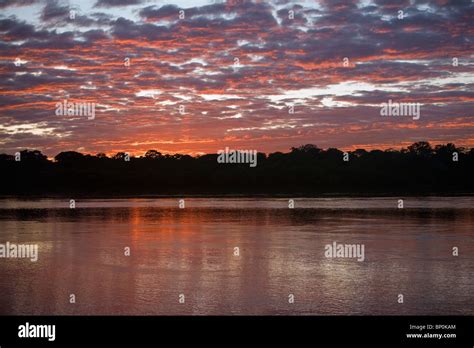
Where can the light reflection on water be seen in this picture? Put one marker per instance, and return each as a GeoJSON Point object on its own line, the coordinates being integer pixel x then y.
{"type": "Point", "coordinates": [190, 251]}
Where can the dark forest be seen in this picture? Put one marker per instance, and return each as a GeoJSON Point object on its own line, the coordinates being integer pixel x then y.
{"type": "Point", "coordinates": [419, 169]}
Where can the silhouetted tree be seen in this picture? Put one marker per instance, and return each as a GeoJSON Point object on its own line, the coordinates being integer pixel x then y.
{"type": "Point", "coordinates": [32, 155]}
{"type": "Point", "coordinates": [421, 148]}
{"type": "Point", "coordinates": [306, 169]}
{"type": "Point", "coordinates": [68, 156]}
{"type": "Point", "coordinates": [5, 158]}
{"type": "Point", "coordinates": [360, 153]}
{"type": "Point", "coordinates": [153, 154]}
{"type": "Point", "coordinates": [119, 156]}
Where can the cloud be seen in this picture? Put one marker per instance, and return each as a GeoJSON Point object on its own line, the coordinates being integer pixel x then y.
{"type": "Point", "coordinates": [237, 58]}
{"type": "Point", "coordinates": [116, 3]}
{"type": "Point", "coordinates": [15, 3]}
{"type": "Point", "coordinates": [54, 10]}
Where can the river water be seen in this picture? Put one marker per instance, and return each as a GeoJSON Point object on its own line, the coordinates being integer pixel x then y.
{"type": "Point", "coordinates": [225, 256]}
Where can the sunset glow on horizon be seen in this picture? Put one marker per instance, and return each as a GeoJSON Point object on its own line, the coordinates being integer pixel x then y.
{"type": "Point", "coordinates": [193, 77]}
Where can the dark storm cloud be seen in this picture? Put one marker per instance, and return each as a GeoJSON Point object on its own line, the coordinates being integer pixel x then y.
{"type": "Point", "coordinates": [156, 13]}
{"type": "Point", "coordinates": [114, 3]}
{"type": "Point", "coordinates": [295, 17]}
{"type": "Point", "coordinates": [392, 4]}
{"type": "Point", "coordinates": [126, 29]}
{"type": "Point", "coordinates": [12, 29]}
{"type": "Point", "coordinates": [8, 3]}
{"type": "Point", "coordinates": [54, 10]}
{"type": "Point", "coordinates": [95, 35]}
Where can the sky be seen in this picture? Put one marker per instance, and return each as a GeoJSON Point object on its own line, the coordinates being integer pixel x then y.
{"type": "Point", "coordinates": [198, 76]}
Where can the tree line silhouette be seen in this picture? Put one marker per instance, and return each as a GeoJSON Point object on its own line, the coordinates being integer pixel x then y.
{"type": "Point", "coordinates": [305, 170]}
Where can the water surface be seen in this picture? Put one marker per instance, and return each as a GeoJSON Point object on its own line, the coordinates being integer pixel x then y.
{"type": "Point", "coordinates": [191, 251]}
